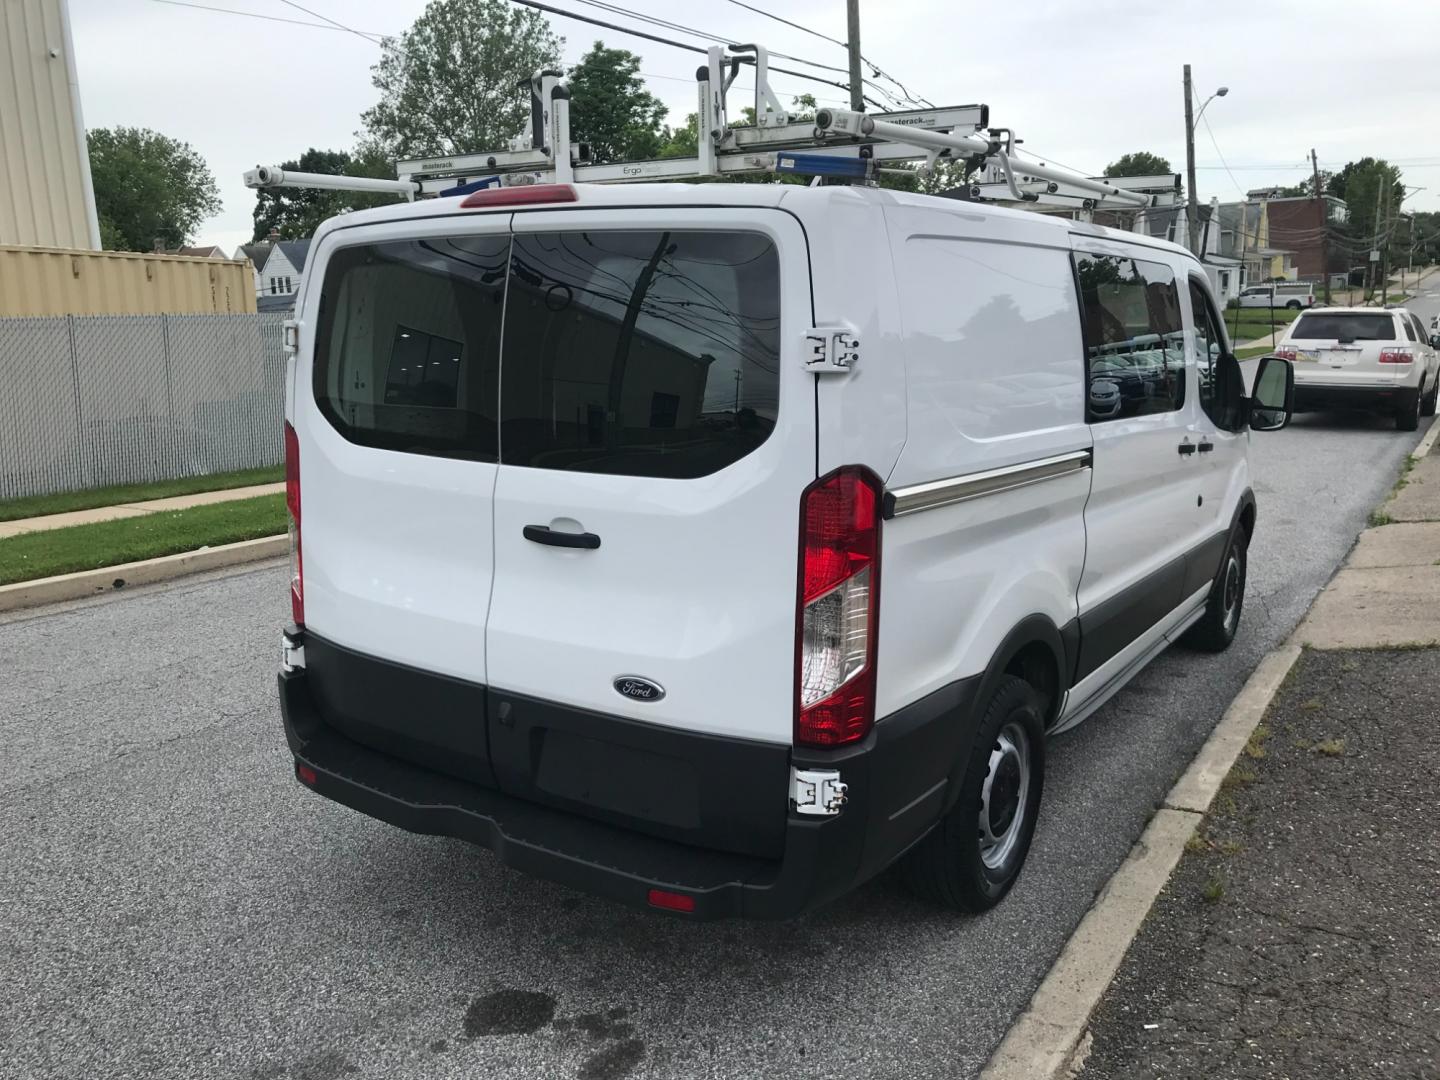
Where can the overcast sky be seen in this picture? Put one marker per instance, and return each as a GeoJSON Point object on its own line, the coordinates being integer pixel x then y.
{"type": "Point", "coordinates": [1082, 83]}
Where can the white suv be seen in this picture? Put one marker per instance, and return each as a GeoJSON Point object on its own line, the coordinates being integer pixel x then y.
{"type": "Point", "coordinates": [1366, 358]}
{"type": "Point", "coordinates": [713, 547]}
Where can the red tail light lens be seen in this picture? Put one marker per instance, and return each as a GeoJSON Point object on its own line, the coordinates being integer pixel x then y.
{"type": "Point", "coordinates": [521, 193]}
{"type": "Point", "coordinates": [838, 608]}
{"type": "Point", "coordinates": [671, 901]}
{"type": "Point", "coordinates": [1396, 356]}
{"type": "Point", "coordinates": [292, 504]}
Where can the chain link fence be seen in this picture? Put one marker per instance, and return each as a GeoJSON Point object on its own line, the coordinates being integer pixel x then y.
{"type": "Point", "coordinates": [91, 401]}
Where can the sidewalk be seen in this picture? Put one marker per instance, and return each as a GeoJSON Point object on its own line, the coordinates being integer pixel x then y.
{"type": "Point", "coordinates": [135, 509]}
{"type": "Point", "coordinates": [1299, 936]}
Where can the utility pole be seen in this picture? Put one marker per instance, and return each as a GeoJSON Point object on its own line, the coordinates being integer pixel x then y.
{"type": "Point", "coordinates": [1385, 250]}
{"type": "Point", "coordinates": [852, 35]}
{"type": "Point", "coordinates": [1190, 207]}
{"type": "Point", "coordinates": [1324, 227]}
{"type": "Point", "coordinates": [1375, 228]}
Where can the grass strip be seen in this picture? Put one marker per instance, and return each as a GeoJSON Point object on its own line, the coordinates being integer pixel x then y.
{"type": "Point", "coordinates": [108, 543]}
{"type": "Point", "coordinates": [65, 501]}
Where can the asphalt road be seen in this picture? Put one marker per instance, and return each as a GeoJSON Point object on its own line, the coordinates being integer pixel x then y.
{"type": "Point", "coordinates": [173, 904]}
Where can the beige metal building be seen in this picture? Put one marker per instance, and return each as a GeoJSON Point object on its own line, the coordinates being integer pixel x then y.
{"type": "Point", "coordinates": [45, 193]}
{"type": "Point", "coordinates": [54, 281]}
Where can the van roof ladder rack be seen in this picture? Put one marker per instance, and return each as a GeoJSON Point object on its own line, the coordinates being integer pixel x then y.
{"type": "Point", "coordinates": [837, 143]}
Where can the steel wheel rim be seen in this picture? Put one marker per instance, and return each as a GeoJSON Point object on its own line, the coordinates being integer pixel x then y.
{"type": "Point", "coordinates": [1004, 798]}
{"type": "Point", "coordinates": [1232, 591]}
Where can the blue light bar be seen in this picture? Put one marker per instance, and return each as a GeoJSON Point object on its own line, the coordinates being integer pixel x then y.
{"type": "Point", "coordinates": [473, 185]}
{"type": "Point", "coordinates": [822, 165]}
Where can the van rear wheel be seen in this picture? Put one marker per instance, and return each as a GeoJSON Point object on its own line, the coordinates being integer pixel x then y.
{"type": "Point", "coordinates": [973, 856]}
{"type": "Point", "coordinates": [1218, 626]}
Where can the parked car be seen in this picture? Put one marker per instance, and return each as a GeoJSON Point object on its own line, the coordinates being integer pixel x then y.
{"type": "Point", "coordinates": [712, 548]}
{"type": "Point", "coordinates": [1363, 358]}
{"type": "Point", "coordinates": [1292, 295]}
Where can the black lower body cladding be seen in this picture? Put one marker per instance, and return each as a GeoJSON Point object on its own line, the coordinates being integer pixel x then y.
{"type": "Point", "coordinates": [1318, 398]}
{"type": "Point", "coordinates": [681, 833]}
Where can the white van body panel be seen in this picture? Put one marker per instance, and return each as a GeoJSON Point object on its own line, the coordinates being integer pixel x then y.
{"type": "Point", "coordinates": [1143, 512]}
{"type": "Point", "coordinates": [397, 548]}
{"type": "Point", "coordinates": [694, 584]}
{"type": "Point", "coordinates": [994, 369]}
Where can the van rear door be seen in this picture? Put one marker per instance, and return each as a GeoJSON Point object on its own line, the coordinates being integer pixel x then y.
{"type": "Point", "coordinates": [395, 411]}
{"type": "Point", "coordinates": [657, 428]}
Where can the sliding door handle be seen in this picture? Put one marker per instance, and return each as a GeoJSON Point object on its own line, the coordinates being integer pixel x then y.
{"type": "Point", "coordinates": [1187, 447]}
{"type": "Point", "coordinates": [1206, 446]}
{"type": "Point", "coordinates": [543, 534]}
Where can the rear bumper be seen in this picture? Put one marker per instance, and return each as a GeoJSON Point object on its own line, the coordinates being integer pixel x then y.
{"type": "Point", "coordinates": [897, 779]}
{"type": "Point", "coordinates": [1321, 396]}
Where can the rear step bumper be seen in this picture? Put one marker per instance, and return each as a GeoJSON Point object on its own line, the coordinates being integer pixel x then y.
{"type": "Point", "coordinates": [896, 781]}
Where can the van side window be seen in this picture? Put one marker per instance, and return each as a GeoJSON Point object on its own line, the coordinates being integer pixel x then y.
{"type": "Point", "coordinates": [1219, 396]}
{"type": "Point", "coordinates": [1134, 337]}
{"type": "Point", "coordinates": [408, 341]}
{"type": "Point", "coordinates": [641, 353]}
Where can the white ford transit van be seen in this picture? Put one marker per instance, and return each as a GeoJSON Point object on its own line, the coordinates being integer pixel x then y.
{"type": "Point", "coordinates": [713, 547]}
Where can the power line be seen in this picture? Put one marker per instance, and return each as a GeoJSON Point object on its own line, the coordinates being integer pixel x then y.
{"type": "Point", "coordinates": [844, 45]}
{"type": "Point", "coordinates": [667, 41]}
{"type": "Point", "coordinates": [332, 22]}
{"type": "Point", "coordinates": [258, 15]}
{"type": "Point", "coordinates": [1206, 121]}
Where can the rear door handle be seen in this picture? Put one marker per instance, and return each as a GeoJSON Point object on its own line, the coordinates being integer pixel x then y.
{"type": "Point", "coordinates": [1206, 447]}
{"type": "Point", "coordinates": [543, 534]}
{"type": "Point", "coordinates": [1187, 447]}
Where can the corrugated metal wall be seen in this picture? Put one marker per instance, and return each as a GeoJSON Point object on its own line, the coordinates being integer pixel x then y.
{"type": "Point", "coordinates": [52, 281]}
{"type": "Point", "coordinates": [93, 401]}
{"type": "Point", "coordinates": [44, 169]}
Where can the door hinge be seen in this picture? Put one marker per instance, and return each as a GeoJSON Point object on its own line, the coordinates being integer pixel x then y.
{"type": "Point", "coordinates": [831, 349]}
{"type": "Point", "coordinates": [817, 791]}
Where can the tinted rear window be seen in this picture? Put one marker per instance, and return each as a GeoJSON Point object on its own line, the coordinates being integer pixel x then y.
{"type": "Point", "coordinates": [639, 353]}
{"type": "Point", "coordinates": [407, 351]}
{"type": "Point", "coordinates": [642, 353]}
{"type": "Point", "coordinates": [1358, 326]}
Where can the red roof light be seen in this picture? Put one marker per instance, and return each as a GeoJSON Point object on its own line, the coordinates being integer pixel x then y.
{"type": "Point", "coordinates": [523, 193]}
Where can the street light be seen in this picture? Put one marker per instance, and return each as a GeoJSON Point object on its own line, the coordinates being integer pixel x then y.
{"type": "Point", "coordinates": [1191, 206]}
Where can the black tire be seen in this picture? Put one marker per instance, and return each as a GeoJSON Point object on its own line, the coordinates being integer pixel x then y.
{"type": "Point", "coordinates": [1293, 305]}
{"type": "Point", "coordinates": [1221, 621]}
{"type": "Point", "coordinates": [952, 867]}
{"type": "Point", "coordinates": [1428, 402]}
{"type": "Point", "coordinates": [1408, 418]}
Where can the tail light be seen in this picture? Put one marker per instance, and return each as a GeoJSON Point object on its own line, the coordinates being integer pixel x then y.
{"type": "Point", "coordinates": [292, 504]}
{"type": "Point", "coordinates": [1396, 356]}
{"type": "Point", "coordinates": [839, 607]}
{"type": "Point", "coordinates": [516, 196]}
{"type": "Point", "coordinates": [1285, 352]}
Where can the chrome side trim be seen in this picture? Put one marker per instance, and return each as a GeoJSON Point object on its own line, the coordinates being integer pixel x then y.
{"type": "Point", "coordinates": [935, 493]}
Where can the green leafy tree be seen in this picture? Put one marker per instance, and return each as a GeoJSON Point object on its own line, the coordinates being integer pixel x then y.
{"type": "Point", "coordinates": [610, 108]}
{"type": "Point", "coordinates": [298, 212]}
{"type": "Point", "coordinates": [148, 187]}
{"type": "Point", "coordinates": [1140, 163]}
{"type": "Point", "coordinates": [451, 83]}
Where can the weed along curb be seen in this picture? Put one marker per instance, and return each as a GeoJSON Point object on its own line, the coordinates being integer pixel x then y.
{"type": "Point", "coordinates": [145, 572]}
{"type": "Point", "coordinates": [1047, 1039]}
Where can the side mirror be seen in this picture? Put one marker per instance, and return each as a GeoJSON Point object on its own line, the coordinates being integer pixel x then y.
{"type": "Point", "coordinates": [1435, 341]}
{"type": "Point", "coordinates": [1272, 403]}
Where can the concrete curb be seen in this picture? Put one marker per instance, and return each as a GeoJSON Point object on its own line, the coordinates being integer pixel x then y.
{"type": "Point", "coordinates": [1428, 441]}
{"type": "Point", "coordinates": [145, 572]}
{"type": "Point", "coordinates": [1047, 1039]}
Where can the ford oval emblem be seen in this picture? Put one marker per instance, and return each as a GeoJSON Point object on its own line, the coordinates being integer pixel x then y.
{"type": "Point", "coordinates": [638, 688]}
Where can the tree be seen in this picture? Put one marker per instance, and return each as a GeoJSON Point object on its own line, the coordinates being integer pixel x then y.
{"type": "Point", "coordinates": [1359, 183]}
{"type": "Point", "coordinates": [1140, 163]}
{"type": "Point", "coordinates": [451, 83]}
{"type": "Point", "coordinates": [148, 187]}
{"type": "Point", "coordinates": [610, 108]}
{"type": "Point", "coordinates": [298, 212]}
